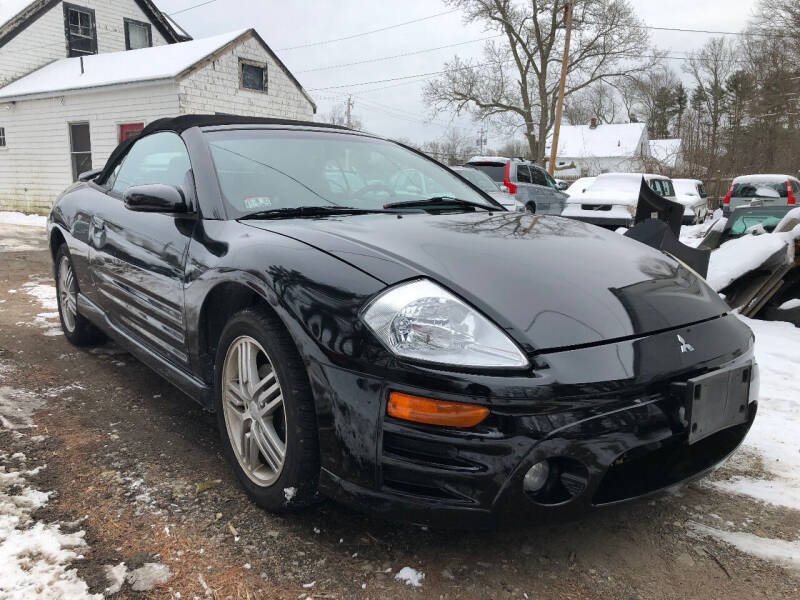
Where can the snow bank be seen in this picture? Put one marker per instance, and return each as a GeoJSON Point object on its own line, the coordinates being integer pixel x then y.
{"type": "Point", "coordinates": [775, 435]}
{"type": "Point", "coordinates": [18, 218]}
{"type": "Point", "coordinates": [737, 257]}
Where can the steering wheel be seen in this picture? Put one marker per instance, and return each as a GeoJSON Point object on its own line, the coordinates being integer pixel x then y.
{"type": "Point", "coordinates": [373, 187]}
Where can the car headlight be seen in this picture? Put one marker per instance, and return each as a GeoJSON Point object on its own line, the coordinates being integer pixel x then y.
{"type": "Point", "coordinates": [421, 320]}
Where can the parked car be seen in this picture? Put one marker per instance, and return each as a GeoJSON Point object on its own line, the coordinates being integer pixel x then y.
{"type": "Point", "coordinates": [611, 200]}
{"type": "Point", "coordinates": [531, 185]}
{"type": "Point", "coordinates": [579, 186]}
{"type": "Point", "coordinates": [488, 185]}
{"type": "Point", "coordinates": [761, 190]}
{"type": "Point", "coordinates": [692, 194]}
{"type": "Point", "coordinates": [376, 345]}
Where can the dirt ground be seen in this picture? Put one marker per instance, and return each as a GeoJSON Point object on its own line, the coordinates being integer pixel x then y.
{"type": "Point", "coordinates": [125, 452]}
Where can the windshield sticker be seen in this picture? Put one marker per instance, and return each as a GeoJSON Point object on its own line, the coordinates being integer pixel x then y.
{"type": "Point", "coordinates": [257, 202]}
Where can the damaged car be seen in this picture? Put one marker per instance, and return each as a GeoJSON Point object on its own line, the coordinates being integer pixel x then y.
{"type": "Point", "coordinates": [374, 343]}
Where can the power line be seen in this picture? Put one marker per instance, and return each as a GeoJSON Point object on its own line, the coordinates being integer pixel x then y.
{"type": "Point", "coordinates": [188, 8]}
{"type": "Point", "coordinates": [411, 53]}
{"type": "Point", "coordinates": [356, 35]}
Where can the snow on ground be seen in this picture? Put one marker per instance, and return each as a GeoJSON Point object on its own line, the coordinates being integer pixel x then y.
{"type": "Point", "coordinates": [775, 435]}
{"type": "Point", "coordinates": [786, 554]}
{"type": "Point", "coordinates": [18, 218]}
{"type": "Point", "coordinates": [410, 576]}
{"type": "Point", "coordinates": [45, 296]}
{"type": "Point", "coordinates": [35, 556]}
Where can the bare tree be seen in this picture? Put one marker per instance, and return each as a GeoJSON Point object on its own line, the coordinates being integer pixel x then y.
{"type": "Point", "coordinates": [650, 97]}
{"type": "Point", "coordinates": [596, 102]}
{"type": "Point", "coordinates": [516, 81]}
{"type": "Point", "coordinates": [711, 67]}
{"type": "Point", "coordinates": [338, 116]}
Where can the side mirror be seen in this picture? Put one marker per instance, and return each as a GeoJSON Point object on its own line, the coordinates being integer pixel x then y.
{"type": "Point", "coordinates": [155, 197]}
{"type": "Point", "coordinates": [561, 185]}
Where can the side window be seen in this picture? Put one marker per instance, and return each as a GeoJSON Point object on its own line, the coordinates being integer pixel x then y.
{"type": "Point", "coordinates": [538, 176]}
{"type": "Point", "coordinates": [80, 30]}
{"type": "Point", "coordinates": [523, 174]}
{"type": "Point", "coordinates": [669, 189]}
{"type": "Point", "coordinates": [158, 158]}
{"type": "Point", "coordinates": [655, 185]}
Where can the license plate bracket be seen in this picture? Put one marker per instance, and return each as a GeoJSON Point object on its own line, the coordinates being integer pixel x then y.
{"type": "Point", "coordinates": [717, 400]}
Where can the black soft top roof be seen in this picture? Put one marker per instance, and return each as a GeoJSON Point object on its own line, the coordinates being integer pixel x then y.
{"type": "Point", "coordinates": [183, 122]}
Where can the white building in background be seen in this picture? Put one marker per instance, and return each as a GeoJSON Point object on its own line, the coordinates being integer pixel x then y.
{"type": "Point", "coordinates": [595, 148]}
{"type": "Point", "coordinates": [78, 78]}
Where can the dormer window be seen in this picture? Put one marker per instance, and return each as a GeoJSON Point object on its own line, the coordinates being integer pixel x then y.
{"type": "Point", "coordinates": [80, 30]}
{"type": "Point", "coordinates": [137, 35]}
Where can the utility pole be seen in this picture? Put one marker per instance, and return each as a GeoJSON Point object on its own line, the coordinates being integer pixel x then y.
{"type": "Point", "coordinates": [349, 106]}
{"type": "Point", "coordinates": [560, 105]}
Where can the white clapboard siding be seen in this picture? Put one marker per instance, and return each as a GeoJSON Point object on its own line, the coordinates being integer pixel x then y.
{"type": "Point", "coordinates": [35, 165]}
{"type": "Point", "coordinates": [215, 88]}
{"type": "Point", "coordinates": [43, 41]}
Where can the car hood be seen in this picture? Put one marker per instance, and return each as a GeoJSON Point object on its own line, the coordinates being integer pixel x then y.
{"type": "Point", "coordinates": [550, 282]}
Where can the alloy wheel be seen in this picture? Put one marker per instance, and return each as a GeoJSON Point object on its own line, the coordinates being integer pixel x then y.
{"type": "Point", "coordinates": [67, 294]}
{"type": "Point", "coordinates": [252, 404]}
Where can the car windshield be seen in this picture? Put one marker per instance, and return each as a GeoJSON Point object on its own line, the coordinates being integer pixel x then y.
{"type": "Point", "coordinates": [264, 170]}
{"type": "Point", "coordinates": [495, 170]}
{"type": "Point", "coordinates": [686, 186]}
{"type": "Point", "coordinates": [760, 189]}
{"type": "Point", "coordinates": [478, 179]}
{"type": "Point", "coordinates": [742, 220]}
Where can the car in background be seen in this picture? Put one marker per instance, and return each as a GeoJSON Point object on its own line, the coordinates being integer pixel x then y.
{"type": "Point", "coordinates": [692, 194]}
{"type": "Point", "coordinates": [486, 184]}
{"type": "Point", "coordinates": [579, 186]}
{"type": "Point", "coordinates": [611, 200]}
{"type": "Point", "coordinates": [761, 190]}
{"type": "Point", "coordinates": [530, 185]}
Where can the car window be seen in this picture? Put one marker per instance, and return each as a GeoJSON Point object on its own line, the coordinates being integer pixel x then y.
{"type": "Point", "coordinates": [479, 179]}
{"type": "Point", "coordinates": [158, 158]}
{"type": "Point", "coordinates": [669, 189]}
{"type": "Point", "coordinates": [523, 174]}
{"type": "Point", "coordinates": [550, 181]}
{"type": "Point", "coordinates": [760, 189]}
{"type": "Point", "coordinates": [495, 170]}
{"type": "Point", "coordinates": [261, 170]}
{"type": "Point", "coordinates": [701, 189]}
{"type": "Point", "coordinates": [655, 185]}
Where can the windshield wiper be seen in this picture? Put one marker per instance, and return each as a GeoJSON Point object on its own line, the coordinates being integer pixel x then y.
{"type": "Point", "coordinates": [307, 211]}
{"type": "Point", "coordinates": [439, 202]}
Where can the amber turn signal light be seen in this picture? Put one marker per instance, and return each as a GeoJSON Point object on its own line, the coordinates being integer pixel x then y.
{"type": "Point", "coordinates": [435, 412]}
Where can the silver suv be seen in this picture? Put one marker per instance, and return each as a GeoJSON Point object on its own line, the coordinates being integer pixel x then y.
{"type": "Point", "coordinates": [761, 190]}
{"type": "Point", "coordinates": [531, 185]}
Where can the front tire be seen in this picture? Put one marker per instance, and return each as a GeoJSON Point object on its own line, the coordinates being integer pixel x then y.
{"type": "Point", "coordinates": [77, 328]}
{"type": "Point", "coordinates": [265, 412]}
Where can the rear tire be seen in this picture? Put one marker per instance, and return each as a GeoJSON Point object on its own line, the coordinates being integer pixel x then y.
{"type": "Point", "coordinates": [531, 206]}
{"type": "Point", "coordinates": [265, 412]}
{"type": "Point", "coordinates": [77, 328]}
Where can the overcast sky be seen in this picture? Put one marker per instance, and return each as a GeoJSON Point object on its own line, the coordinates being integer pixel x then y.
{"type": "Point", "coordinates": [396, 110]}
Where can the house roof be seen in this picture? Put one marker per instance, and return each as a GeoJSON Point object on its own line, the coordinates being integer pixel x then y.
{"type": "Point", "coordinates": [16, 15]}
{"type": "Point", "coordinates": [157, 63]}
{"type": "Point", "coordinates": [666, 151]}
{"type": "Point", "coordinates": [605, 140]}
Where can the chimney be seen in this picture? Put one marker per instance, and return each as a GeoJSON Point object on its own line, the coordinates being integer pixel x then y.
{"type": "Point", "coordinates": [593, 123]}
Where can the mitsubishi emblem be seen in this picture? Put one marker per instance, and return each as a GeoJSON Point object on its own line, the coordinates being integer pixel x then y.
{"type": "Point", "coordinates": [684, 346]}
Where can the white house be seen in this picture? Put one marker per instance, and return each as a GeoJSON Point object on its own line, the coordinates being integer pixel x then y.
{"type": "Point", "coordinates": [76, 79]}
{"type": "Point", "coordinates": [589, 150]}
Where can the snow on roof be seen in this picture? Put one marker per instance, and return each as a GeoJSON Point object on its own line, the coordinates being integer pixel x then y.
{"type": "Point", "coordinates": [115, 68]}
{"type": "Point", "coordinates": [763, 178]}
{"type": "Point", "coordinates": [11, 8]}
{"type": "Point", "coordinates": [475, 159]}
{"type": "Point", "coordinates": [666, 151]}
{"type": "Point", "coordinates": [605, 140]}
{"type": "Point", "coordinates": [612, 188]}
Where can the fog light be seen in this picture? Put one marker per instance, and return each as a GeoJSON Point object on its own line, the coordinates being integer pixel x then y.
{"type": "Point", "coordinates": [536, 477]}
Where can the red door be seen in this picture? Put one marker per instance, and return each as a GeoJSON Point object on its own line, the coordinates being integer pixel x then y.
{"type": "Point", "coordinates": [130, 130]}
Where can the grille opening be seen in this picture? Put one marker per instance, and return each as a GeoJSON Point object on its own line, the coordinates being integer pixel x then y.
{"type": "Point", "coordinates": [640, 471]}
{"type": "Point", "coordinates": [400, 481]}
{"type": "Point", "coordinates": [425, 452]}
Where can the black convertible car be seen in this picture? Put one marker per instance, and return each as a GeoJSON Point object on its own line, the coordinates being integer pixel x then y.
{"type": "Point", "coordinates": [370, 326]}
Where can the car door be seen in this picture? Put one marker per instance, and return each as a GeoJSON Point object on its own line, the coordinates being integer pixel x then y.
{"type": "Point", "coordinates": [137, 258]}
{"type": "Point", "coordinates": [548, 199]}
{"type": "Point", "coordinates": [525, 193]}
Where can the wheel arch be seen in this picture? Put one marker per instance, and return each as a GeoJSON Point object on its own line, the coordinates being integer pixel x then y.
{"type": "Point", "coordinates": [56, 239]}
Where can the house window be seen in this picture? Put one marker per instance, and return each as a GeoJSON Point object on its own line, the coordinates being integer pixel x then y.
{"type": "Point", "coordinates": [253, 75]}
{"type": "Point", "coordinates": [80, 30]}
{"type": "Point", "coordinates": [137, 34]}
{"type": "Point", "coordinates": [129, 130]}
{"type": "Point", "coordinates": [2, 137]}
{"type": "Point", "coordinates": [80, 146]}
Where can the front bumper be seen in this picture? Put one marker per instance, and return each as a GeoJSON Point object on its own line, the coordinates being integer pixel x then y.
{"type": "Point", "coordinates": [614, 442]}
{"type": "Point", "coordinates": [614, 216]}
